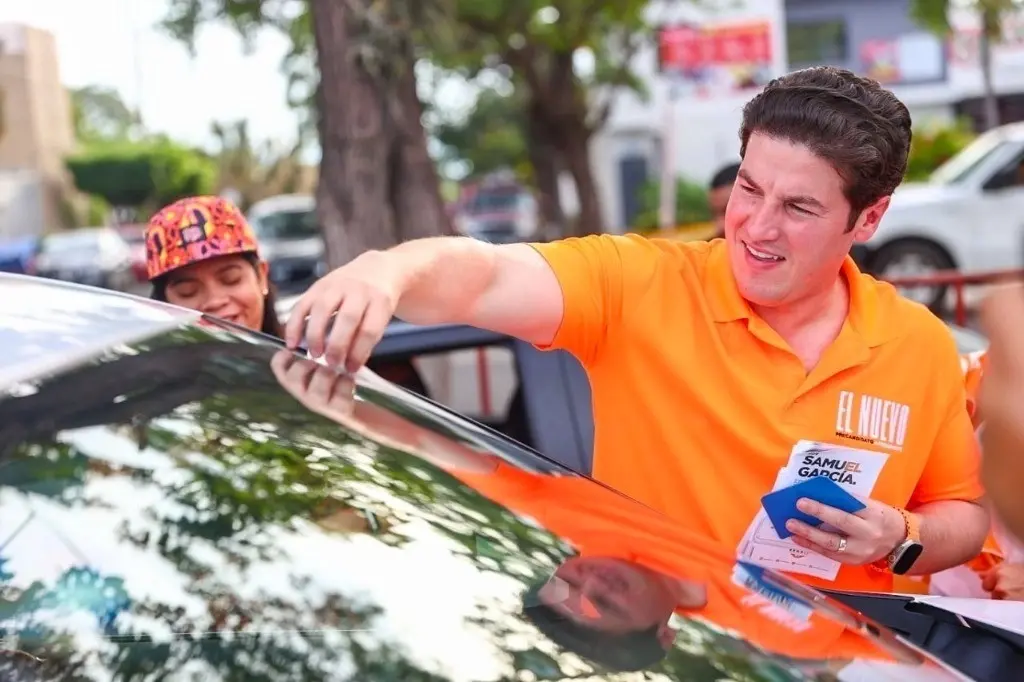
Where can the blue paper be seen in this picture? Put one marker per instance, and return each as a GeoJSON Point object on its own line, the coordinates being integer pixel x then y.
{"type": "Point", "coordinates": [780, 505]}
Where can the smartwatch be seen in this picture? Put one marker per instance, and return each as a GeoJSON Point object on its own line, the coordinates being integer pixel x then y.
{"type": "Point", "coordinates": [906, 554]}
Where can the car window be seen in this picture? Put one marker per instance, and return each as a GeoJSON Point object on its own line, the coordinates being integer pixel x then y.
{"type": "Point", "coordinates": [286, 225]}
{"type": "Point", "coordinates": [174, 513]}
{"type": "Point", "coordinates": [963, 164]}
{"type": "Point", "coordinates": [482, 383]}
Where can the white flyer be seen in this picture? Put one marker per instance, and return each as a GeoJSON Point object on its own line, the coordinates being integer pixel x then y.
{"type": "Point", "coordinates": [853, 469]}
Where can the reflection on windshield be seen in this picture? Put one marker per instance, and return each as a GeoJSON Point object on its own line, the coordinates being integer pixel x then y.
{"type": "Point", "coordinates": [286, 225]}
{"type": "Point", "coordinates": [172, 513]}
{"type": "Point", "coordinates": [963, 164]}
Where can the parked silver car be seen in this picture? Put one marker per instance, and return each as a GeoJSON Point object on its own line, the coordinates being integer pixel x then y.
{"type": "Point", "coordinates": [290, 240]}
{"type": "Point", "coordinates": [97, 256]}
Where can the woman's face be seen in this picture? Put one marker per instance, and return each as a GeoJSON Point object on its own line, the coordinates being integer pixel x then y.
{"type": "Point", "coordinates": [228, 287]}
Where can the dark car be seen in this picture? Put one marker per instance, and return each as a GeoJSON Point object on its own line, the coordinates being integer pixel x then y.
{"type": "Point", "coordinates": [183, 500]}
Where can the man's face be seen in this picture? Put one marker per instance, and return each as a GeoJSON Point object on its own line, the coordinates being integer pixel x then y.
{"type": "Point", "coordinates": [718, 198]}
{"type": "Point", "coordinates": [786, 223]}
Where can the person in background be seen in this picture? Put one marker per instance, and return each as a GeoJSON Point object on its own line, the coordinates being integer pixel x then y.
{"type": "Point", "coordinates": [1002, 402]}
{"type": "Point", "coordinates": [202, 254]}
{"type": "Point", "coordinates": [998, 572]}
{"type": "Point", "coordinates": [718, 195]}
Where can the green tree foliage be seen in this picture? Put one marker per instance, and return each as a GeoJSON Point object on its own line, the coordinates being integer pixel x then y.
{"type": "Point", "coordinates": [936, 15]}
{"type": "Point", "coordinates": [932, 146]}
{"type": "Point", "coordinates": [490, 137]}
{"type": "Point", "coordinates": [542, 46]}
{"type": "Point", "coordinates": [99, 113]}
{"type": "Point", "coordinates": [538, 45]}
{"type": "Point", "coordinates": [355, 59]}
{"type": "Point", "coordinates": [255, 171]}
{"type": "Point", "coordinates": [691, 205]}
{"type": "Point", "coordinates": [143, 175]}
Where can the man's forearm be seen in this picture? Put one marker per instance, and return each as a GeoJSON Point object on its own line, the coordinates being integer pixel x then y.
{"type": "Point", "coordinates": [952, 532]}
{"type": "Point", "coordinates": [443, 278]}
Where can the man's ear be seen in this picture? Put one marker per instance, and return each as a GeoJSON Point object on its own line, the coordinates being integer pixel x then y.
{"type": "Point", "coordinates": [869, 219]}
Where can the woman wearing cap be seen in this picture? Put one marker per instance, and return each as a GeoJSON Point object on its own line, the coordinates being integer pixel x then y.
{"type": "Point", "coordinates": [202, 254]}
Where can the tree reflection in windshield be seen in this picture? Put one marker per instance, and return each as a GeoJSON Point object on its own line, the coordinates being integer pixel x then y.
{"type": "Point", "coordinates": [250, 539]}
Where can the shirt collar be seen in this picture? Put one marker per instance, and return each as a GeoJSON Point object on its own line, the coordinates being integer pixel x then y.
{"type": "Point", "coordinates": [866, 306]}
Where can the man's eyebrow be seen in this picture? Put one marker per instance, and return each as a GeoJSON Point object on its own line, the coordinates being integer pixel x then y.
{"type": "Point", "coordinates": [801, 199]}
{"type": "Point", "coordinates": [810, 202]}
{"type": "Point", "coordinates": [745, 176]}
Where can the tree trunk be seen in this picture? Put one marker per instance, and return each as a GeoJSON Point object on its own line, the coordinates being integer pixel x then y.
{"type": "Point", "coordinates": [576, 152]}
{"type": "Point", "coordinates": [416, 187]}
{"type": "Point", "coordinates": [544, 157]}
{"type": "Point", "coordinates": [376, 183]}
{"type": "Point", "coordinates": [989, 24]}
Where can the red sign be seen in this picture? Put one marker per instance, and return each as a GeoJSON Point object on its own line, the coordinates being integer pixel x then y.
{"type": "Point", "coordinates": [687, 48]}
{"type": "Point", "coordinates": [881, 60]}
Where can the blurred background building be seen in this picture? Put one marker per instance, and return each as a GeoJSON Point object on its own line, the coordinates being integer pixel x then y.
{"type": "Point", "coordinates": [755, 40]}
{"type": "Point", "coordinates": [36, 132]}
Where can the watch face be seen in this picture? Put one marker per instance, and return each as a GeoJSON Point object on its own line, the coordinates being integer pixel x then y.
{"type": "Point", "coordinates": [905, 557]}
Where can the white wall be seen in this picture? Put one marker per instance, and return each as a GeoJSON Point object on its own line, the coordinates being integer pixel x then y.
{"type": "Point", "coordinates": [22, 203]}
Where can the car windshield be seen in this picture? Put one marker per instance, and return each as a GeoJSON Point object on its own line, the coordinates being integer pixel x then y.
{"type": "Point", "coordinates": [962, 165]}
{"type": "Point", "coordinates": [175, 512]}
{"type": "Point", "coordinates": [299, 224]}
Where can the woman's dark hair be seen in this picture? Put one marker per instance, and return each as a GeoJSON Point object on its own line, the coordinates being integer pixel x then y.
{"type": "Point", "coordinates": [271, 323]}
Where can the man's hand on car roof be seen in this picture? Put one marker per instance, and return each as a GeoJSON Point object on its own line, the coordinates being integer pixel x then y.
{"type": "Point", "coordinates": [344, 314]}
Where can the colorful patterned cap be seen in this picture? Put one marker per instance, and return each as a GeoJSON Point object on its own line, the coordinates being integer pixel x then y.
{"type": "Point", "coordinates": [195, 229]}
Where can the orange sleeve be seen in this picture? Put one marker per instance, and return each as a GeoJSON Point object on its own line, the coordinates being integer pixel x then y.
{"type": "Point", "coordinates": [953, 468]}
{"type": "Point", "coordinates": [602, 278]}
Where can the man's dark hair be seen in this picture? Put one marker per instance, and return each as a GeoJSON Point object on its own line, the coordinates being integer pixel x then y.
{"type": "Point", "coordinates": [853, 123]}
{"type": "Point", "coordinates": [724, 176]}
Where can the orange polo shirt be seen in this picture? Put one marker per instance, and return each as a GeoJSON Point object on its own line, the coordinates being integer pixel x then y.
{"type": "Point", "coordinates": [698, 402]}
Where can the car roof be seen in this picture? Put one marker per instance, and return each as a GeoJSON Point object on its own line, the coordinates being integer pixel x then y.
{"type": "Point", "coordinates": [282, 202]}
{"type": "Point", "coordinates": [47, 324]}
{"type": "Point", "coordinates": [172, 501]}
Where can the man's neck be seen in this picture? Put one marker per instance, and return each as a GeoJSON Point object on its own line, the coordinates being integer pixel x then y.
{"type": "Point", "coordinates": [811, 324]}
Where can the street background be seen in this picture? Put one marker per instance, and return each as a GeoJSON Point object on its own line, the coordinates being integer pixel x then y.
{"type": "Point", "coordinates": [506, 122]}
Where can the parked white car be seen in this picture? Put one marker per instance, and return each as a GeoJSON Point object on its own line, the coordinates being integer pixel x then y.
{"type": "Point", "coordinates": [969, 215]}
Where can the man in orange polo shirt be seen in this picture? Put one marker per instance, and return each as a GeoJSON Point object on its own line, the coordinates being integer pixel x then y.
{"type": "Point", "coordinates": [710, 362]}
